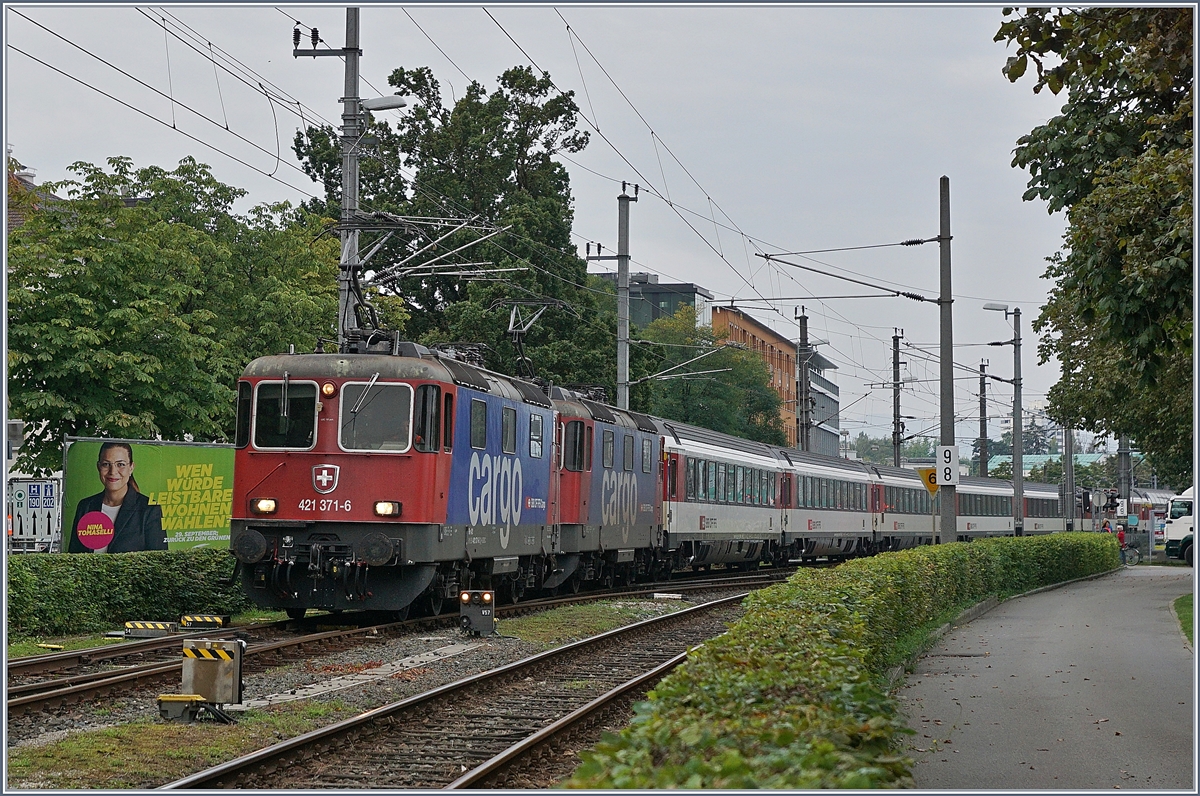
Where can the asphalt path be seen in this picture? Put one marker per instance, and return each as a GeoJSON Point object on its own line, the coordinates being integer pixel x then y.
{"type": "Point", "coordinates": [1087, 686]}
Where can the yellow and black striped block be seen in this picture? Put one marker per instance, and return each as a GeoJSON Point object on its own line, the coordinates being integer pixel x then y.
{"type": "Point", "coordinates": [213, 654]}
{"type": "Point", "coordinates": [203, 621]}
{"type": "Point", "coordinates": [150, 629]}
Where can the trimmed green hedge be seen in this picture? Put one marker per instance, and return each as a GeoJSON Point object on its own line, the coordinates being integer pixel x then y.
{"type": "Point", "coordinates": [792, 696]}
{"type": "Point", "coordinates": [63, 594]}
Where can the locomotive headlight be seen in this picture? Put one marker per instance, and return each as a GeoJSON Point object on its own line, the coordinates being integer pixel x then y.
{"type": "Point", "coordinates": [465, 597]}
{"type": "Point", "coordinates": [328, 389]}
{"type": "Point", "coordinates": [487, 597]}
{"type": "Point", "coordinates": [264, 505]}
{"type": "Point", "coordinates": [387, 508]}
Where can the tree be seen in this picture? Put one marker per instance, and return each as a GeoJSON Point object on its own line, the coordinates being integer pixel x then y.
{"type": "Point", "coordinates": [489, 157]}
{"type": "Point", "coordinates": [1118, 160]}
{"type": "Point", "coordinates": [880, 450]}
{"type": "Point", "coordinates": [136, 302]}
{"type": "Point", "coordinates": [739, 401]}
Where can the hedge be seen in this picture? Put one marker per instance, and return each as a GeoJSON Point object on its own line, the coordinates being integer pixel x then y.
{"type": "Point", "coordinates": [63, 594]}
{"type": "Point", "coordinates": [793, 697]}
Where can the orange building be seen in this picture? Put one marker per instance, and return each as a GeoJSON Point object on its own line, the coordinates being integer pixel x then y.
{"type": "Point", "coordinates": [777, 351]}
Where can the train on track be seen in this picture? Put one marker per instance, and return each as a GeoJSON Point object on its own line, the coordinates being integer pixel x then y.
{"type": "Point", "coordinates": [393, 478]}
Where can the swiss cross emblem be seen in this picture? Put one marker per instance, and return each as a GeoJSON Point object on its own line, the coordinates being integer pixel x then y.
{"type": "Point", "coordinates": [325, 478]}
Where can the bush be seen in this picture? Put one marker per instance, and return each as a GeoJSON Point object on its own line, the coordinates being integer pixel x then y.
{"type": "Point", "coordinates": [63, 594]}
{"type": "Point", "coordinates": [792, 696]}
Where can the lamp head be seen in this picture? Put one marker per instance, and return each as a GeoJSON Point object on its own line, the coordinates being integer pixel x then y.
{"type": "Point", "coordinates": [383, 103]}
{"type": "Point", "coordinates": [991, 305]}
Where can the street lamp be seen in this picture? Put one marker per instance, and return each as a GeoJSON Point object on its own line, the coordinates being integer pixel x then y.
{"type": "Point", "coordinates": [1017, 445]}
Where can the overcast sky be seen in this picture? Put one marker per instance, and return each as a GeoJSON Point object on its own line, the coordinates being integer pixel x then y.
{"type": "Point", "coordinates": [801, 127]}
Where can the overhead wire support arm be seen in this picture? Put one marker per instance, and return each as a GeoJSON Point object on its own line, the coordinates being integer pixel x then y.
{"type": "Point", "coordinates": [888, 290]}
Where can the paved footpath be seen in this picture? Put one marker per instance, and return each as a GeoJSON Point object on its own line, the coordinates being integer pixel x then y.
{"type": "Point", "coordinates": [1087, 686]}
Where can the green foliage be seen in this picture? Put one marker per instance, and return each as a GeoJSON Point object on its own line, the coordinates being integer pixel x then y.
{"type": "Point", "coordinates": [790, 697]}
{"type": "Point", "coordinates": [61, 593]}
{"type": "Point", "coordinates": [1119, 159]}
{"type": "Point", "coordinates": [879, 449]}
{"type": "Point", "coordinates": [739, 401]}
{"type": "Point", "coordinates": [489, 156]}
{"type": "Point", "coordinates": [135, 304]}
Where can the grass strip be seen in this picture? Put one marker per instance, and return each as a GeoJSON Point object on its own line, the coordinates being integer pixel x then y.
{"type": "Point", "coordinates": [1184, 610]}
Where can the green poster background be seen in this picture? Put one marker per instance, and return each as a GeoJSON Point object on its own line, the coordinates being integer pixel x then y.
{"type": "Point", "coordinates": [193, 482]}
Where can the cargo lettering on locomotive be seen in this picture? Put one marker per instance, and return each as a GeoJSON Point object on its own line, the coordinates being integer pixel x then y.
{"type": "Point", "coordinates": [619, 498]}
{"type": "Point", "coordinates": [495, 495]}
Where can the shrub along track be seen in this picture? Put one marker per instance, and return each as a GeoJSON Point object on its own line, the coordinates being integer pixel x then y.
{"type": "Point", "coordinates": [264, 650]}
{"type": "Point", "coordinates": [430, 739]}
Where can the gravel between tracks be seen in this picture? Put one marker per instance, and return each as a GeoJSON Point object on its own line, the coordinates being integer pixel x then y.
{"type": "Point", "coordinates": [48, 727]}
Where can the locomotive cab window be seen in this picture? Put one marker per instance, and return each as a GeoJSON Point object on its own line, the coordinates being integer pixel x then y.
{"type": "Point", "coordinates": [508, 430]}
{"type": "Point", "coordinates": [376, 417]}
{"type": "Point", "coordinates": [535, 436]}
{"type": "Point", "coordinates": [478, 424]}
{"type": "Point", "coordinates": [285, 415]}
{"type": "Point", "coordinates": [242, 436]}
{"type": "Point", "coordinates": [448, 423]}
{"type": "Point", "coordinates": [426, 419]}
{"type": "Point", "coordinates": [627, 451]}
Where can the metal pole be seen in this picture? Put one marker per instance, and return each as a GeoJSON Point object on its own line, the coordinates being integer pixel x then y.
{"type": "Point", "coordinates": [623, 296]}
{"type": "Point", "coordinates": [1018, 443]}
{"type": "Point", "coordinates": [949, 529]}
{"type": "Point", "coordinates": [983, 437]}
{"type": "Point", "coordinates": [1069, 474]}
{"type": "Point", "coordinates": [1124, 473]}
{"type": "Point", "coordinates": [347, 319]}
{"type": "Point", "coordinates": [805, 441]}
{"type": "Point", "coordinates": [897, 426]}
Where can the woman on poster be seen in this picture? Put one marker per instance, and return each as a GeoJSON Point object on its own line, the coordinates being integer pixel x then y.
{"type": "Point", "coordinates": [131, 523]}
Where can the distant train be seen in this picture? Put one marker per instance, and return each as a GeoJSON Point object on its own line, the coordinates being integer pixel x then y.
{"type": "Point", "coordinates": [388, 480]}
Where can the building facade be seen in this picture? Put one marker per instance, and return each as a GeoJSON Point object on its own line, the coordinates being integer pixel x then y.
{"type": "Point", "coordinates": [650, 300]}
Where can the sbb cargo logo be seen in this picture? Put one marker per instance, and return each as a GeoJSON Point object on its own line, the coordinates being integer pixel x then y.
{"type": "Point", "coordinates": [534, 503]}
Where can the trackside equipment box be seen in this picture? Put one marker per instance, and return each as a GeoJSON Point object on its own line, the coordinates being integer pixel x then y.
{"type": "Point", "coordinates": [213, 669]}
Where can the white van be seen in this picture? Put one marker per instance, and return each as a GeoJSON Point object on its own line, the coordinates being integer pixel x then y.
{"type": "Point", "coordinates": [1180, 522]}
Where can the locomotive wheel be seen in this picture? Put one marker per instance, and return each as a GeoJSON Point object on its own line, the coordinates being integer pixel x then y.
{"type": "Point", "coordinates": [400, 615]}
{"type": "Point", "coordinates": [434, 603]}
{"type": "Point", "coordinates": [574, 583]}
{"type": "Point", "coordinates": [296, 613]}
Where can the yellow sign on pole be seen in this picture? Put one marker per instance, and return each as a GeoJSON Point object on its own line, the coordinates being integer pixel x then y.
{"type": "Point", "coordinates": [929, 479]}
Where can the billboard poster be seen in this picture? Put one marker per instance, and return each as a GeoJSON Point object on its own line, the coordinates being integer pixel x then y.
{"type": "Point", "coordinates": [127, 495]}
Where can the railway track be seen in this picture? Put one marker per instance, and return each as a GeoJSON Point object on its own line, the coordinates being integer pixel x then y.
{"type": "Point", "coordinates": [433, 739]}
{"type": "Point", "coordinates": [41, 695]}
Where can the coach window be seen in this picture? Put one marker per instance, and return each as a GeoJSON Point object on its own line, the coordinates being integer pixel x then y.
{"type": "Point", "coordinates": [573, 446]}
{"type": "Point", "coordinates": [535, 436]}
{"type": "Point", "coordinates": [428, 425]}
{"type": "Point", "coordinates": [627, 452]}
{"type": "Point", "coordinates": [606, 451]}
{"type": "Point", "coordinates": [739, 485]}
{"type": "Point", "coordinates": [448, 423]}
{"type": "Point", "coordinates": [647, 455]}
{"type": "Point", "coordinates": [241, 437]}
{"type": "Point", "coordinates": [285, 415]}
{"type": "Point", "coordinates": [690, 478]}
{"type": "Point", "coordinates": [376, 417]}
{"type": "Point", "coordinates": [720, 496]}
{"type": "Point", "coordinates": [478, 424]}
{"type": "Point", "coordinates": [672, 477]}
{"type": "Point", "coordinates": [508, 429]}
{"type": "Point", "coordinates": [711, 470]}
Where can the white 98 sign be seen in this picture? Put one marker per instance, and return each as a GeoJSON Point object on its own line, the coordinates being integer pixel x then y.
{"type": "Point", "coordinates": [947, 465]}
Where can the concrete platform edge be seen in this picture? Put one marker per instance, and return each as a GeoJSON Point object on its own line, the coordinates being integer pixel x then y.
{"type": "Point", "coordinates": [896, 674]}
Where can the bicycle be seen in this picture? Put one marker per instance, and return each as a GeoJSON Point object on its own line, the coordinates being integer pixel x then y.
{"type": "Point", "coordinates": [1132, 556]}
